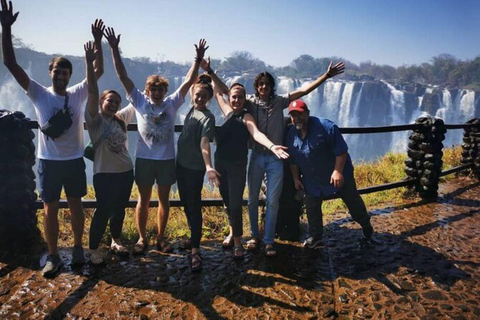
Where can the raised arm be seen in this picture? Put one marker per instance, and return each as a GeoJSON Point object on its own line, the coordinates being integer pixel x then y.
{"type": "Point", "coordinates": [92, 99]}
{"type": "Point", "coordinates": [193, 72]}
{"type": "Point", "coordinates": [114, 41]}
{"type": "Point", "coordinates": [222, 87]}
{"type": "Point", "coordinates": [258, 136]}
{"type": "Point", "coordinates": [97, 31]}
{"type": "Point", "coordinates": [7, 19]}
{"type": "Point", "coordinates": [224, 105]}
{"type": "Point", "coordinates": [331, 72]}
{"type": "Point", "coordinates": [212, 174]}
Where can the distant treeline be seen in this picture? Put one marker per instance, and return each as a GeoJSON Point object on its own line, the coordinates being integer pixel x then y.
{"type": "Point", "coordinates": [444, 70]}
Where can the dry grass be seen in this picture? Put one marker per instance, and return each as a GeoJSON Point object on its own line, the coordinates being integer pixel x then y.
{"type": "Point", "coordinates": [389, 168]}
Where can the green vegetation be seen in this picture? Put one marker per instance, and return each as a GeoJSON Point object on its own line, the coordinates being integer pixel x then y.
{"type": "Point", "coordinates": [386, 169]}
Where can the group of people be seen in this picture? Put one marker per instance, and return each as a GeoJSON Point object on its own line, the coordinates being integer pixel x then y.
{"type": "Point", "coordinates": [317, 153]}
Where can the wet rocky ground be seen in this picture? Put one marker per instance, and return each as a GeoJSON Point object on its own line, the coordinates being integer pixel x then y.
{"type": "Point", "coordinates": [424, 263]}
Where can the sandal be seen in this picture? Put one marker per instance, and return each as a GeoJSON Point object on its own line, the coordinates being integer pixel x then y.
{"type": "Point", "coordinates": [196, 262]}
{"type": "Point", "coordinates": [238, 252]}
{"type": "Point", "coordinates": [227, 242]}
{"type": "Point", "coordinates": [185, 244]}
{"type": "Point", "coordinates": [140, 247]}
{"type": "Point", "coordinates": [270, 250]}
{"type": "Point", "coordinates": [164, 246]}
{"type": "Point", "coordinates": [253, 244]}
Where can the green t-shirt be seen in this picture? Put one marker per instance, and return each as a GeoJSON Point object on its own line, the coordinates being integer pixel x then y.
{"type": "Point", "coordinates": [198, 124]}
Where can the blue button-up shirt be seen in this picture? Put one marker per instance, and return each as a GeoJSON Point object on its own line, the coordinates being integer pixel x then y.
{"type": "Point", "coordinates": [315, 155]}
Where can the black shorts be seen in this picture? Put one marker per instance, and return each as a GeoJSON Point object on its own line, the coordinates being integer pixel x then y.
{"type": "Point", "coordinates": [55, 174]}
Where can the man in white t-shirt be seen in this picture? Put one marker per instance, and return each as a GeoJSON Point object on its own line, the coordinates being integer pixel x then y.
{"type": "Point", "coordinates": [60, 157]}
{"type": "Point", "coordinates": [155, 153]}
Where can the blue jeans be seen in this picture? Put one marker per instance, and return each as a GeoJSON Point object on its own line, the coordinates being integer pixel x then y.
{"type": "Point", "coordinates": [264, 163]}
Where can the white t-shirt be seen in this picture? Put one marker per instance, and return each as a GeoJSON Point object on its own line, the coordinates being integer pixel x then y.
{"type": "Point", "coordinates": [47, 103]}
{"type": "Point", "coordinates": [111, 155]}
{"type": "Point", "coordinates": [156, 125]}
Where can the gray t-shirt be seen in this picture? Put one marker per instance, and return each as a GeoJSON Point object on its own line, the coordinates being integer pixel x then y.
{"type": "Point", "coordinates": [111, 155]}
{"type": "Point", "coordinates": [268, 116]}
{"type": "Point", "coordinates": [198, 124]}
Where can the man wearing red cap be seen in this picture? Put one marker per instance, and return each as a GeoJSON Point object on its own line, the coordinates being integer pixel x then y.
{"type": "Point", "coordinates": [266, 107]}
{"type": "Point", "coordinates": [321, 166]}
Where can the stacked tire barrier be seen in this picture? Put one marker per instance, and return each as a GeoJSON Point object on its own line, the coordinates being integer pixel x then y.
{"type": "Point", "coordinates": [424, 162]}
{"type": "Point", "coordinates": [471, 146]}
{"type": "Point", "coordinates": [18, 219]}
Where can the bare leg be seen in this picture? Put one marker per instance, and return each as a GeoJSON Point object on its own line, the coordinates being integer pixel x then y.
{"type": "Point", "coordinates": [141, 211]}
{"type": "Point", "coordinates": [78, 219]}
{"type": "Point", "coordinates": [163, 210]}
{"type": "Point", "coordinates": [50, 225]}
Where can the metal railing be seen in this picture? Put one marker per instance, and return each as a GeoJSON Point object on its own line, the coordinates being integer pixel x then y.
{"type": "Point", "coordinates": [214, 202]}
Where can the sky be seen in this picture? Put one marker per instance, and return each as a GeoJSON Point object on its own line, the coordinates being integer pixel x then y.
{"type": "Point", "coordinates": [392, 32]}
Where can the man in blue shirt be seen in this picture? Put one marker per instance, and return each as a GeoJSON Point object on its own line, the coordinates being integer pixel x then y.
{"type": "Point", "coordinates": [321, 166]}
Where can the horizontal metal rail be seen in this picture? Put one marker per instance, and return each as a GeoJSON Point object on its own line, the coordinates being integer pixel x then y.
{"type": "Point", "coordinates": [218, 202]}
{"type": "Point", "coordinates": [178, 128]}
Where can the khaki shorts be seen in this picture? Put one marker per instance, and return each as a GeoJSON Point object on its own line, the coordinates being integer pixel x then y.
{"type": "Point", "coordinates": [148, 171]}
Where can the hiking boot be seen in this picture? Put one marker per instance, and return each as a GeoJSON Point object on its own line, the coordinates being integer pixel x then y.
{"type": "Point", "coordinates": [367, 230]}
{"type": "Point", "coordinates": [96, 257]}
{"type": "Point", "coordinates": [77, 255]}
{"type": "Point", "coordinates": [312, 243]}
{"type": "Point", "coordinates": [53, 265]}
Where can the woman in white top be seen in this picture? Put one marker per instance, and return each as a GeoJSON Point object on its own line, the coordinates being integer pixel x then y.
{"type": "Point", "coordinates": [112, 166]}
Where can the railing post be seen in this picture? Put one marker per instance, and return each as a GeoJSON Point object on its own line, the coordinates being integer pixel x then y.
{"type": "Point", "coordinates": [471, 146]}
{"type": "Point", "coordinates": [18, 216]}
{"type": "Point", "coordinates": [424, 162]}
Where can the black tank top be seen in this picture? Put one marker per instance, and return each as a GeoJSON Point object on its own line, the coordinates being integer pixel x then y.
{"type": "Point", "coordinates": [232, 138]}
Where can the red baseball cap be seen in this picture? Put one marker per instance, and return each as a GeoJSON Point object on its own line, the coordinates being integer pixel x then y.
{"type": "Point", "coordinates": [297, 105]}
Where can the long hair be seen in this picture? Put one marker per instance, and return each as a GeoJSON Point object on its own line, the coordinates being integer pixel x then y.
{"type": "Point", "coordinates": [117, 118]}
{"type": "Point", "coordinates": [270, 79]}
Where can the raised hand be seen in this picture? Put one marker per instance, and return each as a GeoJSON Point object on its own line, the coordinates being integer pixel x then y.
{"type": "Point", "coordinates": [97, 30]}
{"type": "Point", "coordinates": [201, 48]}
{"type": "Point", "coordinates": [205, 64]}
{"type": "Point", "coordinates": [89, 51]}
{"type": "Point", "coordinates": [7, 18]}
{"type": "Point", "coordinates": [113, 41]}
{"type": "Point", "coordinates": [336, 69]}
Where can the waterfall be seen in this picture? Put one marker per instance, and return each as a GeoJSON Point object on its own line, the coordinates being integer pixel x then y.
{"type": "Point", "coordinates": [345, 104]}
{"type": "Point", "coordinates": [447, 103]}
{"type": "Point", "coordinates": [399, 140]}
{"type": "Point", "coordinates": [467, 107]}
{"type": "Point", "coordinates": [331, 100]}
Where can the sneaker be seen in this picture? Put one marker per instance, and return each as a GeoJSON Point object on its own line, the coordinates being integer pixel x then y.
{"type": "Point", "coordinates": [312, 243]}
{"type": "Point", "coordinates": [118, 249]}
{"type": "Point", "coordinates": [53, 265]}
{"type": "Point", "coordinates": [368, 231]}
{"type": "Point", "coordinates": [96, 257]}
{"type": "Point", "coordinates": [77, 255]}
